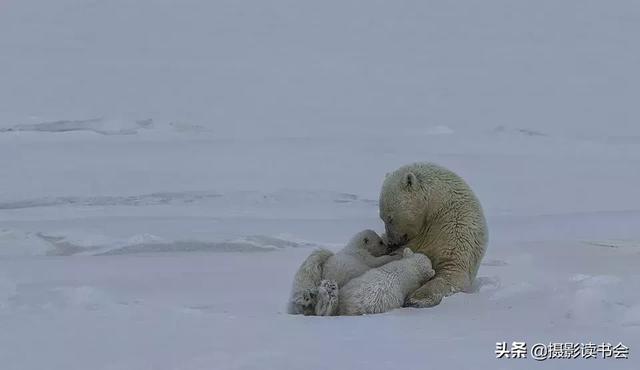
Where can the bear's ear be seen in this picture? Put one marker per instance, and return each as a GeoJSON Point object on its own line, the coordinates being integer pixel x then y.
{"type": "Point", "coordinates": [386, 175]}
{"type": "Point", "coordinates": [407, 252]}
{"type": "Point", "coordinates": [410, 180]}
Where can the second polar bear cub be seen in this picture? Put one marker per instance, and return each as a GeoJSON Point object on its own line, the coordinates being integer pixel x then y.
{"type": "Point", "coordinates": [385, 288]}
{"type": "Point", "coordinates": [365, 250]}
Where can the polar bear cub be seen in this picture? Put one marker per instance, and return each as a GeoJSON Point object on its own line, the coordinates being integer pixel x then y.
{"type": "Point", "coordinates": [385, 288]}
{"type": "Point", "coordinates": [316, 283]}
{"type": "Point", "coordinates": [364, 251]}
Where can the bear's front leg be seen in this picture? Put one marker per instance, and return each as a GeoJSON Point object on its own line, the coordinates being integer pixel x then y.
{"type": "Point", "coordinates": [443, 284]}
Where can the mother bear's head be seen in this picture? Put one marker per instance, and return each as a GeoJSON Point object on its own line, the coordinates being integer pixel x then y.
{"type": "Point", "coordinates": [403, 204]}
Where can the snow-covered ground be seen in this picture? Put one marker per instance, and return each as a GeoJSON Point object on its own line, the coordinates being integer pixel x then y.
{"type": "Point", "coordinates": [165, 166]}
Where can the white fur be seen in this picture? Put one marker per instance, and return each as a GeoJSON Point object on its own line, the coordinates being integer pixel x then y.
{"type": "Point", "coordinates": [385, 288]}
{"type": "Point", "coordinates": [364, 251]}
{"type": "Point", "coordinates": [302, 299]}
{"type": "Point", "coordinates": [327, 299]}
{"type": "Point", "coordinates": [433, 211]}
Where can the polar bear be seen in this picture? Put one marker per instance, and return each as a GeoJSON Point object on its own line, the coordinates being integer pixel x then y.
{"type": "Point", "coordinates": [433, 211]}
{"type": "Point", "coordinates": [385, 288]}
{"type": "Point", "coordinates": [304, 290]}
{"type": "Point", "coordinates": [316, 282]}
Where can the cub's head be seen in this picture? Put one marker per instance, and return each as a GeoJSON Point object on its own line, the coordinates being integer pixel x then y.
{"type": "Point", "coordinates": [421, 262]}
{"type": "Point", "coordinates": [371, 241]}
{"type": "Point", "coordinates": [403, 206]}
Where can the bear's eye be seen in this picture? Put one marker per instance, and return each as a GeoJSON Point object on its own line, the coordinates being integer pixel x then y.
{"type": "Point", "coordinates": [366, 240]}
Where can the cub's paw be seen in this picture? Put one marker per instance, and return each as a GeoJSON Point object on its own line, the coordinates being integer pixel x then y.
{"type": "Point", "coordinates": [330, 287]}
{"type": "Point", "coordinates": [327, 298]}
{"type": "Point", "coordinates": [305, 301]}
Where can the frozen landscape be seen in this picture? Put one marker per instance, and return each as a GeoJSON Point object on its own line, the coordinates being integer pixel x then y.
{"type": "Point", "coordinates": [165, 166]}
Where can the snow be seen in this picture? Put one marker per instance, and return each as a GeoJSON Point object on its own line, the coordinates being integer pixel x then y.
{"type": "Point", "coordinates": [167, 165]}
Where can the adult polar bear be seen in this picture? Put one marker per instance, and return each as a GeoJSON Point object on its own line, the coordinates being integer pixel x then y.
{"type": "Point", "coordinates": [433, 211]}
